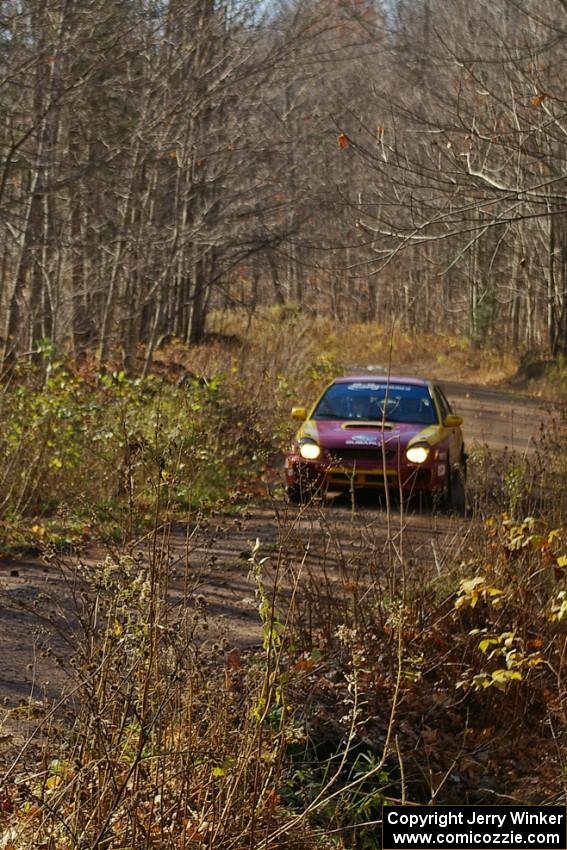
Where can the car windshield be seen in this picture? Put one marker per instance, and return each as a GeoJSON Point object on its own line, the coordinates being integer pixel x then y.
{"type": "Point", "coordinates": [373, 401]}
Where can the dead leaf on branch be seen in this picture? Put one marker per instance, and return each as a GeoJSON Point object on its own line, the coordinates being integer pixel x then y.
{"type": "Point", "coordinates": [539, 99]}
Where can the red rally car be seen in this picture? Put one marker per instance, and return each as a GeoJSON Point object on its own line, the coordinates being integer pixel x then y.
{"type": "Point", "coordinates": [368, 431]}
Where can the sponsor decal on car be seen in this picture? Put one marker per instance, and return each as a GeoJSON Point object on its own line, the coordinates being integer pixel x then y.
{"type": "Point", "coordinates": [362, 440]}
{"type": "Point", "coordinates": [374, 387]}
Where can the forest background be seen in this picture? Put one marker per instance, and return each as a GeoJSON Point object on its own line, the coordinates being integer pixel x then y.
{"type": "Point", "coordinates": [361, 160]}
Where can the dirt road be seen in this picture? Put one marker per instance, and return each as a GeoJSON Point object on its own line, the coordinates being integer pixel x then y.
{"type": "Point", "coordinates": [330, 542]}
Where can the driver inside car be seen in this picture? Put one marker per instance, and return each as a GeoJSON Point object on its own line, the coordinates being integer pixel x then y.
{"type": "Point", "coordinates": [359, 408]}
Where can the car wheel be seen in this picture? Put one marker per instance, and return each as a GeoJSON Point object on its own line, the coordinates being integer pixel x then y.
{"type": "Point", "coordinates": [453, 498]}
{"type": "Point", "coordinates": [297, 495]}
{"type": "Point", "coordinates": [459, 484]}
{"type": "Point", "coordinates": [446, 495]}
{"type": "Point", "coordinates": [464, 458]}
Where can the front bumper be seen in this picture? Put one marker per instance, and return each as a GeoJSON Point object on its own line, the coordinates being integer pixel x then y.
{"type": "Point", "coordinates": [428, 477]}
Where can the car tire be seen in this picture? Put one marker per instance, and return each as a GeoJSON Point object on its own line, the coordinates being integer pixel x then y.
{"type": "Point", "coordinates": [460, 484]}
{"type": "Point", "coordinates": [454, 496]}
{"type": "Point", "coordinates": [297, 495]}
{"type": "Point", "coordinates": [442, 499]}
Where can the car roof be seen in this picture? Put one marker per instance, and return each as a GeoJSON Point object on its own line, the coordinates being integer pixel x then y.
{"type": "Point", "coordinates": [381, 379]}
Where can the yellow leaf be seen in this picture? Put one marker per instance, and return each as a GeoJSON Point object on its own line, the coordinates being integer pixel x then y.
{"type": "Point", "coordinates": [505, 675]}
{"type": "Point", "coordinates": [468, 585]}
{"type": "Point", "coordinates": [53, 782]}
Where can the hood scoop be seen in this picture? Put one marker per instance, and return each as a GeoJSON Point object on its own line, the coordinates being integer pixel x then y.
{"type": "Point", "coordinates": [363, 424]}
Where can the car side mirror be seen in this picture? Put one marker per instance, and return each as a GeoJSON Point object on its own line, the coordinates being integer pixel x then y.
{"type": "Point", "coordinates": [299, 413]}
{"type": "Point", "coordinates": [452, 421]}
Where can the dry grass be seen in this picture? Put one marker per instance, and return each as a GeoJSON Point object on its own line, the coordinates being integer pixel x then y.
{"type": "Point", "coordinates": [301, 342]}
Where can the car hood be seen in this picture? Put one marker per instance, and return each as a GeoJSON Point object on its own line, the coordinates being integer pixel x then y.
{"type": "Point", "coordinates": [336, 434]}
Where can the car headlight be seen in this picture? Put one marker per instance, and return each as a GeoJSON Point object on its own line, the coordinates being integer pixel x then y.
{"type": "Point", "coordinates": [309, 450]}
{"type": "Point", "coordinates": [417, 454]}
